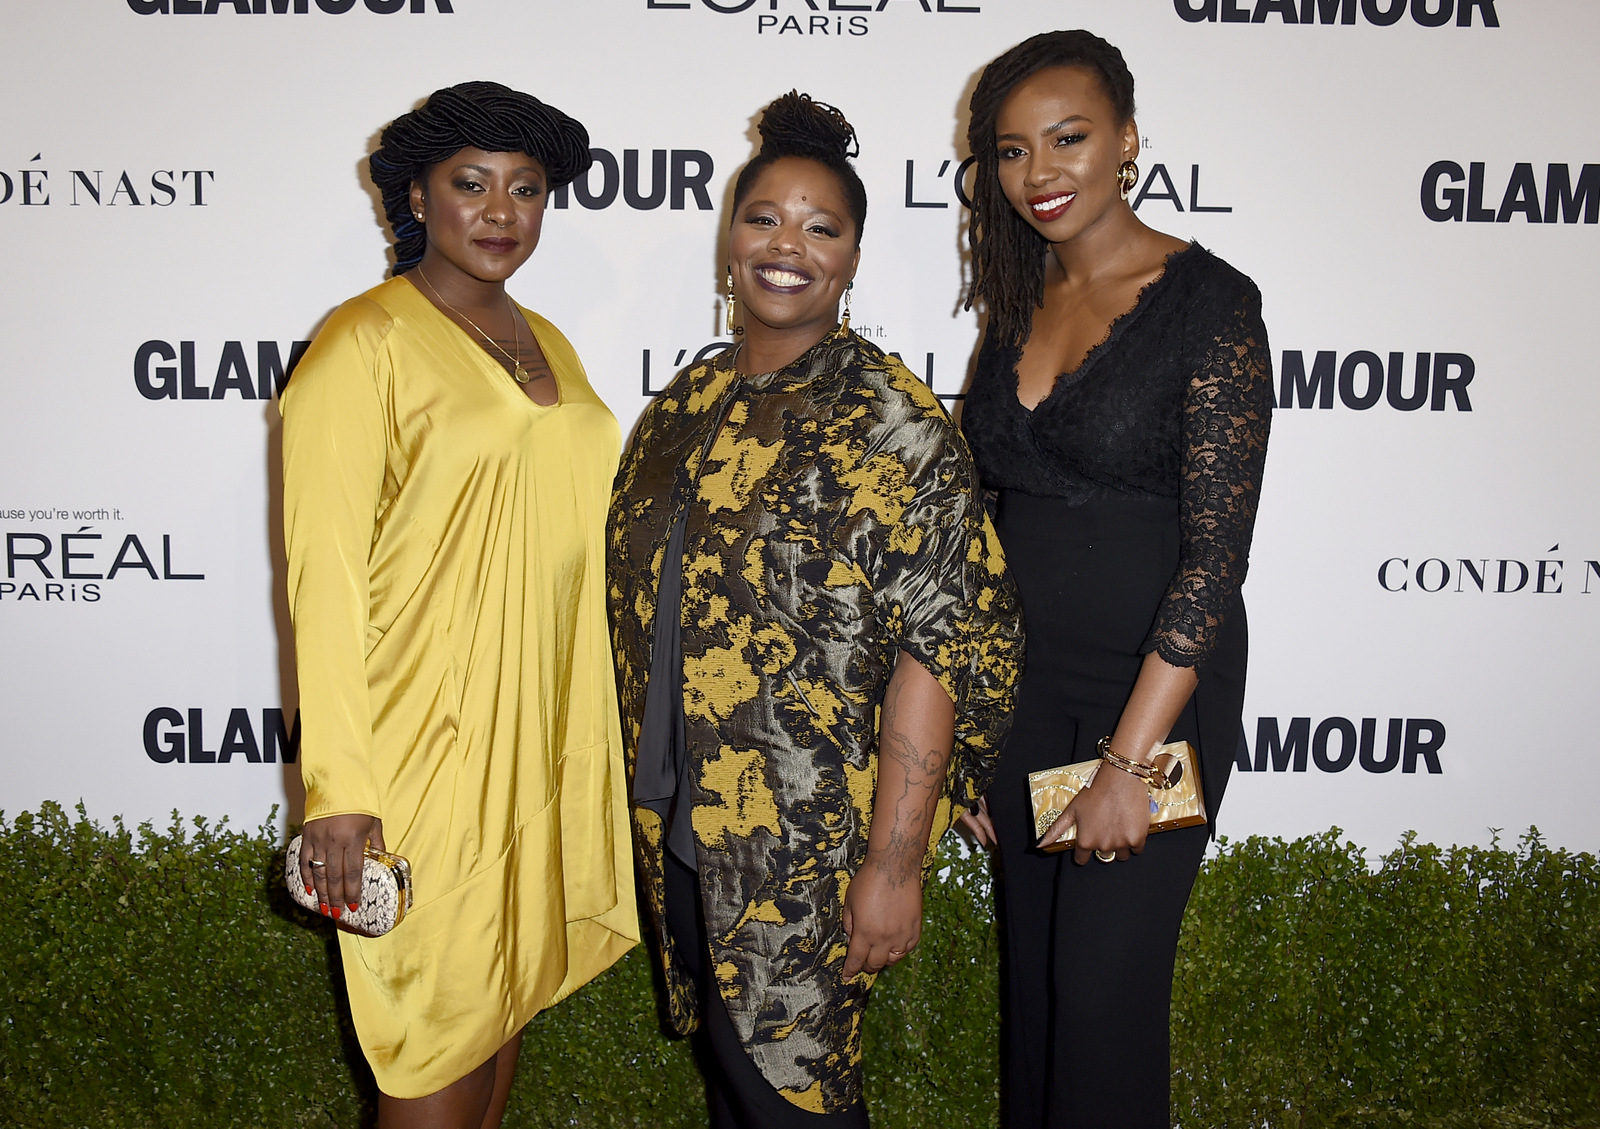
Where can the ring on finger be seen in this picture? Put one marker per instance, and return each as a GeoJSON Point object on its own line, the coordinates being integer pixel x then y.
{"type": "Point", "coordinates": [1103, 856]}
{"type": "Point", "coordinates": [897, 952]}
{"type": "Point", "coordinates": [317, 863]}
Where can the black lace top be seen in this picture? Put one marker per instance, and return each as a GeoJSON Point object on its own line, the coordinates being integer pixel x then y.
{"type": "Point", "coordinates": [1176, 402]}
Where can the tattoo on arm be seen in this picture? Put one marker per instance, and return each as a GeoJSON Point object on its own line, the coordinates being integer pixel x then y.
{"type": "Point", "coordinates": [910, 776]}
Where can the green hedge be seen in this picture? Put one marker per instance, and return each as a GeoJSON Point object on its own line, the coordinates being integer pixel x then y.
{"type": "Point", "coordinates": [162, 979]}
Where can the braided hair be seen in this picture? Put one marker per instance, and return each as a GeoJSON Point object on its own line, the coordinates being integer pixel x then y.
{"type": "Point", "coordinates": [478, 115]}
{"type": "Point", "coordinates": [1008, 254]}
{"type": "Point", "coordinates": [794, 125]}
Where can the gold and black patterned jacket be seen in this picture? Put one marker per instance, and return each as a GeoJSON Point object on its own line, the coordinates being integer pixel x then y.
{"type": "Point", "coordinates": [833, 521]}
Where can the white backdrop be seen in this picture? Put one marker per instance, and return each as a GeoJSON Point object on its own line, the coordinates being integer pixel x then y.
{"type": "Point", "coordinates": [183, 200]}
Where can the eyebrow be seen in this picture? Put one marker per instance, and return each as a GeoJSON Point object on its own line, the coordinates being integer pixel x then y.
{"type": "Point", "coordinates": [1048, 130]}
{"type": "Point", "coordinates": [487, 171]}
{"type": "Point", "coordinates": [816, 209]}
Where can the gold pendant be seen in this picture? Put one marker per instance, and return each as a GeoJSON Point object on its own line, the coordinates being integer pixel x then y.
{"type": "Point", "coordinates": [520, 376]}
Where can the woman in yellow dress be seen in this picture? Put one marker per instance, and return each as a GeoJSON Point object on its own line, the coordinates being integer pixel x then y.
{"type": "Point", "coordinates": [446, 473]}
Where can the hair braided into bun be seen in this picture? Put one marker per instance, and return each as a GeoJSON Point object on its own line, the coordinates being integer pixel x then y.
{"type": "Point", "coordinates": [478, 115]}
{"type": "Point", "coordinates": [795, 125]}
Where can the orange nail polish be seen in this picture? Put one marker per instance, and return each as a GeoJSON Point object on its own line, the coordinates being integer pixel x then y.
{"type": "Point", "coordinates": [353, 906]}
{"type": "Point", "coordinates": [311, 889]}
{"type": "Point", "coordinates": [324, 906]}
{"type": "Point", "coordinates": [336, 912]}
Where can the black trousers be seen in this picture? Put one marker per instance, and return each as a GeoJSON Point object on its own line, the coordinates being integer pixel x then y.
{"type": "Point", "coordinates": [737, 1094]}
{"type": "Point", "coordinates": [1088, 951]}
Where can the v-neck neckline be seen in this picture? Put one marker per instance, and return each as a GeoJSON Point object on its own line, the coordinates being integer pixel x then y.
{"type": "Point", "coordinates": [1118, 325]}
{"type": "Point", "coordinates": [478, 350]}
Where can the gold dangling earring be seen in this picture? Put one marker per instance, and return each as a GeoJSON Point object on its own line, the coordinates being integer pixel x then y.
{"type": "Point", "coordinates": [732, 304]}
{"type": "Point", "coordinates": [1127, 177]}
{"type": "Point", "coordinates": [844, 321]}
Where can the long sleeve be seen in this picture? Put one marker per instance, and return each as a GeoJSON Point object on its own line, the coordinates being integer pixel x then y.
{"type": "Point", "coordinates": [1227, 413]}
{"type": "Point", "coordinates": [333, 474]}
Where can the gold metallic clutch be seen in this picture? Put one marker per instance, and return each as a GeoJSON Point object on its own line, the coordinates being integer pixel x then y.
{"type": "Point", "coordinates": [1179, 804]}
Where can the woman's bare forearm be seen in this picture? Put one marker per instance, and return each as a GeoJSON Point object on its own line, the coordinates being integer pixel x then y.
{"type": "Point", "coordinates": [917, 732]}
{"type": "Point", "coordinates": [1159, 695]}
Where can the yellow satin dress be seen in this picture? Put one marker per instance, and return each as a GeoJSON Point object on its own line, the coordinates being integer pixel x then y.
{"type": "Point", "coordinates": [445, 539]}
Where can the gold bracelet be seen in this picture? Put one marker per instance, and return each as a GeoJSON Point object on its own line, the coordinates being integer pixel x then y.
{"type": "Point", "coordinates": [1149, 773]}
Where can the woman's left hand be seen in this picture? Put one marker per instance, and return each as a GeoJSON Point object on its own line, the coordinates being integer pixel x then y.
{"type": "Point", "coordinates": [1112, 814]}
{"type": "Point", "coordinates": [882, 918]}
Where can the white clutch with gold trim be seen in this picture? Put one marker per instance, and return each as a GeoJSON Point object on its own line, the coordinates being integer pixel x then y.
{"type": "Point", "coordinates": [385, 891]}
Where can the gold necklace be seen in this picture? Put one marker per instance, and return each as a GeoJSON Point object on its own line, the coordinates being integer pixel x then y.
{"type": "Point", "coordinates": [518, 373]}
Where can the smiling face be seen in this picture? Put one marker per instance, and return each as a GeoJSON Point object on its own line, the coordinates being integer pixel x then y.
{"type": "Point", "coordinates": [482, 212]}
{"type": "Point", "coordinates": [793, 250]}
{"type": "Point", "coordinates": [1060, 143]}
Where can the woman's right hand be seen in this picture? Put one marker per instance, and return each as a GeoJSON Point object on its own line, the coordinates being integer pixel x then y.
{"type": "Point", "coordinates": [337, 843]}
{"type": "Point", "coordinates": [979, 825]}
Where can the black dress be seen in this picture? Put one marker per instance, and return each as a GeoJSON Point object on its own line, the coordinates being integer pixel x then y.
{"type": "Point", "coordinates": [1125, 503]}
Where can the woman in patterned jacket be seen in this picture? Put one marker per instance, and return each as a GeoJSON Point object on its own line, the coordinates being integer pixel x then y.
{"type": "Point", "coordinates": [802, 578]}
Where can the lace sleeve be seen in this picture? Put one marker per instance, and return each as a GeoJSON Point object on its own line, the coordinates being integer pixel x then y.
{"type": "Point", "coordinates": [1227, 412]}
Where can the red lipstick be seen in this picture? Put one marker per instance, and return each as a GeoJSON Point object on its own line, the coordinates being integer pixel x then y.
{"type": "Point", "coordinates": [1051, 206]}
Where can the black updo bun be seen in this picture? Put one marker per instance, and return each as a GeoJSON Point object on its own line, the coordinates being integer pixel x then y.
{"type": "Point", "coordinates": [796, 125]}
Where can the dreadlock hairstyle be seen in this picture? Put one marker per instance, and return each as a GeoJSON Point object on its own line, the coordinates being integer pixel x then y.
{"type": "Point", "coordinates": [1008, 254]}
{"type": "Point", "coordinates": [794, 125]}
{"type": "Point", "coordinates": [479, 115]}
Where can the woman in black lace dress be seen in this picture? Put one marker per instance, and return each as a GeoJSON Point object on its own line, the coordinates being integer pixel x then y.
{"type": "Point", "coordinates": [1120, 412]}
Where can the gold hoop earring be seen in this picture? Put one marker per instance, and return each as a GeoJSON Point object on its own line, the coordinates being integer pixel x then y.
{"type": "Point", "coordinates": [1127, 177]}
{"type": "Point", "coordinates": [732, 306]}
{"type": "Point", "coordinates": [844, 321]}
